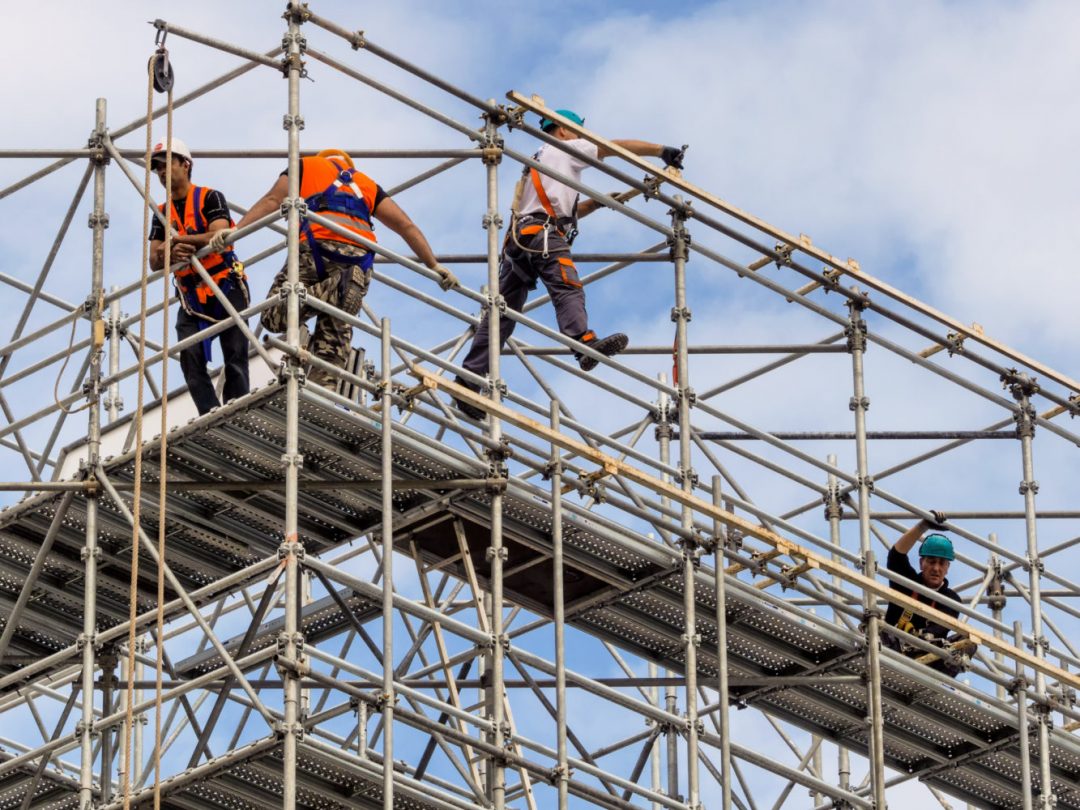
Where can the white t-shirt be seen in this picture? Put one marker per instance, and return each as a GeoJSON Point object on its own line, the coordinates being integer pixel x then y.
{"type": "Point", "coordinates": [562, 197]}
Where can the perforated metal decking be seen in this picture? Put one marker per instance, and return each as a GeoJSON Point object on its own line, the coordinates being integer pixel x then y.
{"type": "Point", "coordinates": [621, 587]}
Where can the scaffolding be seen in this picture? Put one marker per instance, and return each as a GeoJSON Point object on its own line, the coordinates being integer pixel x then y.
{"type": "Point", "coordinates": [572, 620]}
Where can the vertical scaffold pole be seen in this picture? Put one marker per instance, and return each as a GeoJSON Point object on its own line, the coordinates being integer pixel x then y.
{"type": "Point", "coordinates": [291, 550]}
{"type": "Point", "coordinates": [559, 609]}
{"type": "Point", "coordinates": [663, 438]}
{"type": "Point", "coordinates": [1022, 719]}
{"type": "Point", "coordinates": [496, 553]}
{"type": "Point", "coordinates": [114, 403]}
{"type": "Point", "coordinates": [720, 539]}
{"type": "Point", "coordinates": [995, 593]}
{"type": "Point", "coordinates": [833, 508]}
{"type": "Point", "coordinates": [388, 696]}
{"type": "Point", "coordinates": [680, 252]}
{"type": "Point", "coordinates": [1022, 388]}
{"type": "Point", "coordinates": [860, 403]}
{"type": "Point", "coordinates": [99, 221]}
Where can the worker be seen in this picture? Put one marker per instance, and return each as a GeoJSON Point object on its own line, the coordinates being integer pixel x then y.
{"type": "Point", "coordinates": [197, 214]}
{"type": "Point", "coordinates": [935, 555]}
{"type": "Point", "coordinates": [333, 267]}
{"type": "Point", "coordinates": [537, 245]}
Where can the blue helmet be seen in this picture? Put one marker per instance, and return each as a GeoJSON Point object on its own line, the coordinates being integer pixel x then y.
{"type": "Point", "coordinates": [547, 124]}
{"type": "Point", "coordinates": [937, 545]}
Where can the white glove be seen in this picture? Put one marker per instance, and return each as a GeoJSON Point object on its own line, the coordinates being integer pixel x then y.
{"type": "Point", "coordinates": [220, 239]}
{"type": "Point", "coordinates": [447, 280]}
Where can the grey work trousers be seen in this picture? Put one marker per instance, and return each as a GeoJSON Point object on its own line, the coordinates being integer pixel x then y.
{"type": "Point", "coordinates": [522, 265]}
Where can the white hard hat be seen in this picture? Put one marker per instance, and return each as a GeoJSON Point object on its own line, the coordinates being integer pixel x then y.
{"type": "Point", "coordinates": [179, 149]}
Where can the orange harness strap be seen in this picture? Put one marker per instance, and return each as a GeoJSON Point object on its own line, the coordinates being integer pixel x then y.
{"type": "Point", "coordinates": [544, 201]}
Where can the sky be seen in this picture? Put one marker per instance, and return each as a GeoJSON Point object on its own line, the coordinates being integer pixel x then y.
{"type": "Point", "coordinates": [934, 142]}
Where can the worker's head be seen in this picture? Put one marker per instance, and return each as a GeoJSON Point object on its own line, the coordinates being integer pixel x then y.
{"type": "Point", "coordinates": [935, 554]}
{"type": "Point", "coordinates": [338, 155]}
{"type": "Point", "coordinates": [181, 162]}
{"type": "Point", "coordinates": [554, 128]}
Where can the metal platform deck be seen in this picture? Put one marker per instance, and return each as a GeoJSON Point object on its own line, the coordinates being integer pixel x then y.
{"type": "Point", "coordinates": [620, 586]}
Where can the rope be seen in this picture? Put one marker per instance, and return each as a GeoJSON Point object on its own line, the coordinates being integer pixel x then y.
{"type": "Point", "coordinates": [60, 375]}
{"type": "Point", "coordinates": [129, 694]}
{"type": "Point", "coordinates": [162, 467]}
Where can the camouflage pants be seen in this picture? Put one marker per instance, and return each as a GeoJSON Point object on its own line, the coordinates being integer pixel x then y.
{"type": "Point", "coordinates": [332, 338]}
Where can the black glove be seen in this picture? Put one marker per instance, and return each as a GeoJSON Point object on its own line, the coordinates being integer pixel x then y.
{"type": "Point", "coordinates": [940, 518]}
{"type": "Point", "coordinates": [673, 155]}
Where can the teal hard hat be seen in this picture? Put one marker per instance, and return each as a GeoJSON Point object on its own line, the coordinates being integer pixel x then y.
{"type": "Point", "coordinates": [937, 545]}
{"type": "Point", "coordinates": [550, 123]}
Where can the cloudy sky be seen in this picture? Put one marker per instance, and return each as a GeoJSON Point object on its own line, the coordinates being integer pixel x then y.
{"type": "Point", "coordinates": [934, 142]}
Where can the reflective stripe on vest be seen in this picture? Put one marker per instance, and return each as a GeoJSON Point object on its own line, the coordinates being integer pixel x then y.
{"type": "Point", "coordinates": [193, 222]}
{"type": "Point", "coordinates": [338, 193]}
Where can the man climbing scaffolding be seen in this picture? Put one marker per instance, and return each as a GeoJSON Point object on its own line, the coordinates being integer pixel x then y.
{"type": "Point", "coordinates": [333, 267]}
{"type": "Point", "coordinates": [537, 246]}
{"type": "Point", "coordinates": [197, 214]}
{"type": "Point", "coordinates": [935, 555]}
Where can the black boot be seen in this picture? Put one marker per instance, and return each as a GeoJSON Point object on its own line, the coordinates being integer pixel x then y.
{"type": "Point", "coordinates": [470, 411]}
{"type": "Point", "coordinates": [608, 346]}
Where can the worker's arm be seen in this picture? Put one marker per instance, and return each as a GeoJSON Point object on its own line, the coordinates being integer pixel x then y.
{"type": "Point", "coordinates": [181, 251]}
{"type": "Point", "coordinates": [271, 201]}
{"type": "Point", "coordinates": [641, 148]}
{"type": "Point", "coordinates": [390, 214]}
{"type": "Point", "coordinates": [909, 538]}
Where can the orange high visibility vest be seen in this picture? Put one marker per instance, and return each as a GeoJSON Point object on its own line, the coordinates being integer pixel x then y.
{"type": "Point", "coordinates": [345, 196]}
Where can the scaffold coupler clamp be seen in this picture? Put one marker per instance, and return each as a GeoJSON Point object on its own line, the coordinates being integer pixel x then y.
{"type": "Point", "coordinates": [559, 773]}
{"type": "Point", "coordinates": [783, 254]}
{"type": "Point", "coordinates": [162, 70]}
{"type": "Point", "coordinates": [293, 61]}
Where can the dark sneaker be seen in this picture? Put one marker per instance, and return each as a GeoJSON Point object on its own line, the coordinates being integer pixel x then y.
{"type": "Point", "coordinates": [608, 346]}
{"type": "Point", "coordinates": [470, 411]}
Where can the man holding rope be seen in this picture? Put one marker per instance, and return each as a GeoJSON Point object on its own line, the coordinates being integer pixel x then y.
{"type": "Point", "coordinates": [196, 213]}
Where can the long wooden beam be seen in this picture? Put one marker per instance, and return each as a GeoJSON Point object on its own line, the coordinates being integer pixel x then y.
{"type": "Point", "coordinates": [808, 559]}
{"type": "Point", "coordinates": [973, 332]}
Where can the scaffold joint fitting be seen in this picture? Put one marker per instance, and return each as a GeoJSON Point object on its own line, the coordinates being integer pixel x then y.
{"type": "Point", "coordinates": [681, 314]}
{"type": "Point", "coordinates": [1029, 486]}
{"type": "Point", "coordinates": [1020, 384]}
{"type": "Point", "coordinates": [495, 485]}
{"type": "Point", "coordinates": [491, 553]}
{"type": "Point", "coordinates": [550, 469]}
{"type": "Point", "coordinates": [294, 549]}
{"type": "Point", "coordinates": [292, 460]}
{"type": "Point", "coordinates": [82, 727]}
{"type": "Point", "coordinates": [84, 553]}
{"type": "Point", "coordinates": [865, 480]}
{"type": "Point", "coordinates": [492, 154]}
{"type": "Point", "coordinates": [95, 219]}
{"type": "Point", "coordinates": [285, 639]}
{"type": "Point", "coordinates": [683, 475]}
{"type": "Point", "coordinates": [490, 220]}
{"type": "Point", "coordinates": [859, 403]}
{"type": "Point", "coordinates": [283, 729]}
{"type": "Point", "coordinates": [679, 245]}
{"type": "Point", "coordinates": [856, 333]}
{"type": "Point", "coordinates": [288, 121]}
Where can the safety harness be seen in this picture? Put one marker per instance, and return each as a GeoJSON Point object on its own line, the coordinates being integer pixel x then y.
{"type": "Point", "coordinates": [224, 268]}
{"type": "Point", "coordinates": [532, 222]}
{"type": "Point", "coordinates": [334, 199]}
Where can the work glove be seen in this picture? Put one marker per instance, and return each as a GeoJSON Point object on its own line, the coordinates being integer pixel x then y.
{"type": "Point", "coordinates": [673, 155]}
{"type": "Point", "coordinates": [447, 280]}
{"type": "Point", "coordinates": [940, 518]}
{"type": "Point", "coordinates": [220, 239]}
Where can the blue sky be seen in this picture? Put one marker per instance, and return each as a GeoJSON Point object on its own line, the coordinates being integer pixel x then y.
{"type": "Point", "coordinates": [934, 142]}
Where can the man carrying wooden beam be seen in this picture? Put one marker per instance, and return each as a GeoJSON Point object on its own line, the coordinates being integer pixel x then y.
{"type": "Point", "coordinates": [543, 225]}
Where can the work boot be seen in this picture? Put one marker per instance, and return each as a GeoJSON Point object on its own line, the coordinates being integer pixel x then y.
{"type": "Point", "coordinates": [470, 411]}
{"type": "Point", "coordinates": [608, 346]}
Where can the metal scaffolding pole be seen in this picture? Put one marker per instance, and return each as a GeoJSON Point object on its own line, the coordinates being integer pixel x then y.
{"type": "Point", "coordinates": [99, 221]}
{"type": "Point", "coordinates": [559, 609]}
{"type": "Point", "coordinates": [291, 550]}
{"type": "Point", "coordinates": [691, 550]}
{"type": "Point", "coordinates": [1022, 388]}
{"type": "Point", "coordinates": [496, 454]}
{"type": "Point", "coordinates": [832, 513]}
{"type": "Point", "coordinates": [720, 540]}
{"type": "Point", "coordinates": [856, 335]}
